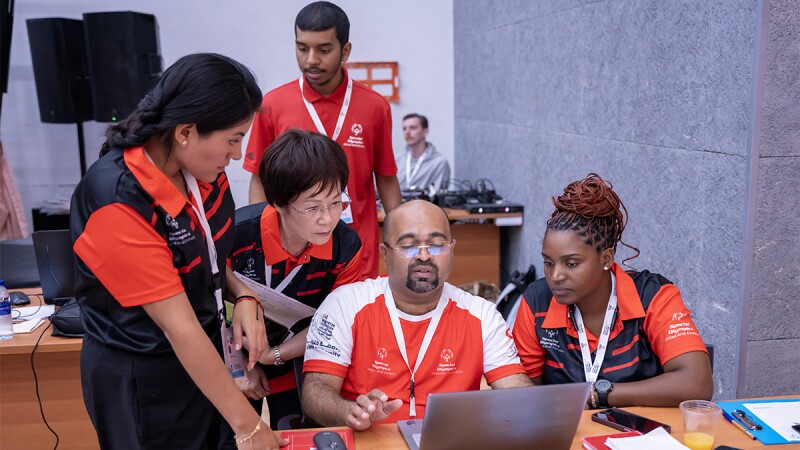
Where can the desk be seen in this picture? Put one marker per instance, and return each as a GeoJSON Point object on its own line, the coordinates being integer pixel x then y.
{"type": "Point", "coordinates": [57, 363]}
{"type": "Point", "coordinates": [477, 247]}
{"type": "Point", "coordinates": [388, 436]}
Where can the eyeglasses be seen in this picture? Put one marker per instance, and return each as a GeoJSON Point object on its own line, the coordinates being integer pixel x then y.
{"type": "Point", "coordinates": [318, 211]}
{"type": "Point", "coordinates": [412, 251]}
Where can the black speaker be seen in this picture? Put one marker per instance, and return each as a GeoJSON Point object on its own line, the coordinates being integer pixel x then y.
{"type": "Point", "coordinates": [59, 61]}
{"type": "Point", "coordinates": [124, 60]}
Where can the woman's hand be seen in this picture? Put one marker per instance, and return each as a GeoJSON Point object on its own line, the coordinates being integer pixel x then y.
{"type": "Point", "coordinates": [256, 385]}
{"type": "Point", "coordinates": [248, 319]}
{"type": "Point", "coordinates": [263, 439]}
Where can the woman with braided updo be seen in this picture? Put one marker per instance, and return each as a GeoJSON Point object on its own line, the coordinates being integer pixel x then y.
{"type": "Point", "coordinates": [627, 333]}
{"type": "Point", "coordinates": [152, 225]}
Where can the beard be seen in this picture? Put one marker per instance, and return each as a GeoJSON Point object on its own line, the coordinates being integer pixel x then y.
{"type": "Point", "coordinates": [425, 285]}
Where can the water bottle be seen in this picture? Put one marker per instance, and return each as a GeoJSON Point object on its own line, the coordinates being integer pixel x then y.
{"type": "Point", "coordinates": [6, 324]}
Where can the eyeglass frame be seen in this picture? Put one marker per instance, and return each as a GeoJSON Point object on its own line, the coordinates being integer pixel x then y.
{"type": "Point", "coordinates": [419, 248]}
{"type": "Point", "coordinates": [320, 210]}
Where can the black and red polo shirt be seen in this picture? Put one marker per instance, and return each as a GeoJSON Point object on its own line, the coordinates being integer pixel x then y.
{"type": "Point", "coordinates": [651, 327]}
{"type": "Point", "coordinates": [137, 240]}
{"type": "Point", "coordinates": [325, 267]}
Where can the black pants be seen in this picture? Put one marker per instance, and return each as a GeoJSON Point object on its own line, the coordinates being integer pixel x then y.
{"type": "Point", "coordinates": [280, 405]}
{"type": "Point", "coordinates": [141, 401]}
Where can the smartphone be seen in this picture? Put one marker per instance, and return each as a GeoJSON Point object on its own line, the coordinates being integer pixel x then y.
{"type": "Point", "coordinates": [622, 420]}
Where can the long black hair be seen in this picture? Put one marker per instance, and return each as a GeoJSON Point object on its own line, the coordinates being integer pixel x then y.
{"type": "Point", "coordinates": [212, 91]}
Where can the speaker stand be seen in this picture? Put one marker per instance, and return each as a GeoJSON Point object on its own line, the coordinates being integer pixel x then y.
{"type": "Point", "coordinates": [81, 148]}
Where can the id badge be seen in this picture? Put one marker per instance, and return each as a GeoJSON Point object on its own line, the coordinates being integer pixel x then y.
{"type": "Point", "coordinates": [347, 214]}
{"type": "Point", "coordinates": [234, 359]}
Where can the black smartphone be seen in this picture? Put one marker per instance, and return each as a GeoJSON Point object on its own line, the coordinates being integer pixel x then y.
{"type": "Point", "coordinates": [622, 420]}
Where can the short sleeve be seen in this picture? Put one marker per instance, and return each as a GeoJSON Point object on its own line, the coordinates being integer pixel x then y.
{"type": "Point", "coordinates": [384, 155]}
{"type": "Point", "coordinates": [531, 354]}
{"type": "Point", "coordinates": [262, 133]}
{"type": "Point", "coordinates": [329, 344]}
{"type": "Point", "coordinates": [500, 358]}
{"type": "Point", "coordinates": [351, 273]}
{"type": "Point", "coordinates": [127, 256]}
{"type": "Point", "coordinates": [669, 325]}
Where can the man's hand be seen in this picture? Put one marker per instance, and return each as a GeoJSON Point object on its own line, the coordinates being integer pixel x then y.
{"type": "Point", "coordinates": [370, 408]}
{"type": "Point", "coordinates": [256, 385]}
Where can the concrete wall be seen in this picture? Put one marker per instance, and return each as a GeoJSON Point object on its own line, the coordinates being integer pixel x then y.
{"type": "Point", "coordinates": [658, 98]}
{"type": "Point", "coordinates": [416, 33]}
{"type": "Point", "coordinates": [773, 334]}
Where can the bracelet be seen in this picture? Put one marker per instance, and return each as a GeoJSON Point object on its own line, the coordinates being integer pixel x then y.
{"type": "Point", "coordinates": [277, 351]}
{"type": "Point", "coordinates": [593, 398]}
{"type": "Point", "coordinates": [245, 297]}
{"type": "Point", "coordinates": [243, 439]}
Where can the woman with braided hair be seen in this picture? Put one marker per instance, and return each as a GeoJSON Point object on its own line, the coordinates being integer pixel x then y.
{"type": "Point", "coordinates": [627, 333]}
{"type": "Point", "coordinates": [152, 225]}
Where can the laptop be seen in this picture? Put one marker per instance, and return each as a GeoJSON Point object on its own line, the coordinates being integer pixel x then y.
{"type": "Point", "coordinates": [515, 418]}
{"type": "Point", "coordinates": [54, 259]}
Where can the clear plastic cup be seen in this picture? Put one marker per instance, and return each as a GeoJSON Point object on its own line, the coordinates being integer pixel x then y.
{"type": "Point", "coordinates": [699, 419]}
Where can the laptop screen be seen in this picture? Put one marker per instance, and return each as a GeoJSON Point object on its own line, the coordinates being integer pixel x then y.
{"type": "Point", "coordinates": [55, 261]}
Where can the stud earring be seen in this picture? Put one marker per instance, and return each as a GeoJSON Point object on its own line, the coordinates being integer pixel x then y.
{"type": "Point", "coordinates": [184, 142]}
{"type": "Point", "coordinates": [605, 267]}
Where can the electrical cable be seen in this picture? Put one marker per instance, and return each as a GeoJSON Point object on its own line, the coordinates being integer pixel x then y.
{"type": "Point", "coordinates": [36, 378]}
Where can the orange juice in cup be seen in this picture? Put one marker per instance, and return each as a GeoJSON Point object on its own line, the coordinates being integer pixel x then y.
{"type": "Point", "coordinates": [699, 419]}
{"type": "Point", "coordinates": [698, 441]}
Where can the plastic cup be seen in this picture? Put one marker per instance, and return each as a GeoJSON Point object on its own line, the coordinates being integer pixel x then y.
{"type": "Point", "coordinates": [699, 419]}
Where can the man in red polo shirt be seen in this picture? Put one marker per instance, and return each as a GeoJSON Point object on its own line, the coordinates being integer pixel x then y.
{"type": "Point", "coordinates": [325, 99]}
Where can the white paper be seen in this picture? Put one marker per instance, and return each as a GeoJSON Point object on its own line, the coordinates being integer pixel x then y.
{"type": "Point", "coordinates": [278, 307]}
{"type": "Point", "coordinates": [779, 416]}
{"type": "Point", "coordinates": [657, 439]}
{"type": "Point", "coordinates": [28, 318]}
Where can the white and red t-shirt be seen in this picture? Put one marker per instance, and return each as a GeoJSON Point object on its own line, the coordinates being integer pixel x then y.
{"type": "Point", "coordinates": [351, 336]}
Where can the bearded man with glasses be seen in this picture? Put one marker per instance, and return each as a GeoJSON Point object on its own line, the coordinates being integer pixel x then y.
{"type": "Point", "coordinates": [377, 348]}
{"type": "Point", "coordinates": [295, 244]}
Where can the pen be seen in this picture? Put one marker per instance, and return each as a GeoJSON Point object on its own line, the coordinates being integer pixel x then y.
{"type": "Point", "coordinates": [736, 424]}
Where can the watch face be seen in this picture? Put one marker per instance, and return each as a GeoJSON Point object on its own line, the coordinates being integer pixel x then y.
{"type": "Point", "coordinates": [602, 385]}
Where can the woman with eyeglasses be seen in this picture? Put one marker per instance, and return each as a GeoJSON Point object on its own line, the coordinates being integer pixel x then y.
{"type": "Point", "coordinates": [295, 244]}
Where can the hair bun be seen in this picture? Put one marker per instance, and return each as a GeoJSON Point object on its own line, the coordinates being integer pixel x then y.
{"type": "Point", "coordinates": [589, 197]}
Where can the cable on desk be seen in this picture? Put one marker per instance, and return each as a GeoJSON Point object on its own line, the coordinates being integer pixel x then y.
{"type": "Point", "coordinates": [36, 379]}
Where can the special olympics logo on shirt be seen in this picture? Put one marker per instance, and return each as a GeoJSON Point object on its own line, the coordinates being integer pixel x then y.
{"type": "Point", "coordinates": [678, 316]}
{"type": "Point", "coordinates": [551, 333]}
{"type": "Point", "coordinates": [172, 223]}
{"type": "Point", "coordinates": [447, 355]}
{"type": "Point", "coordinates": [382, 353]}
{"type": "Point", "coordinates": [356, 129]}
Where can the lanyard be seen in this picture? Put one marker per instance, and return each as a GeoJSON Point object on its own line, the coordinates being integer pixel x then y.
{"type": "Point", "coordinates": [284, 283]}
{"type": "Point", "coordinates": [234, 359]}
{"type": "Point", "coordinates": [401, 342]}
{"type": "Point", "coordinates": [411, 174]}
{"type": "Point", "coordinates": [592, 370]}
{"type": "Point", "coordinates": [315, 117]}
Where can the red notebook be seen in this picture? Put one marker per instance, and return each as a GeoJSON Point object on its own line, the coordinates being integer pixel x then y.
{"type": "Point", "coordinates": [599, 442]}
{"type": "Point", "coordinates": [304, 440]}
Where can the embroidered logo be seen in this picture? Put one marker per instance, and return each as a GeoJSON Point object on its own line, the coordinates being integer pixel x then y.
{"type": "Point", "coordinates": [356, 129]}
{"type": "Point", "coordinates": [678, 316]}
{"type": "Point", "coordinates": [552, 333]}
{"type": "Point", "coordinates": [172, 223]}
{"type": "Point", "coordinates": [447, 355]}
{"type": "Point", "coordinates": [382, 353]}
{"type": "Point", "coordinates": [325, 327]}
{"type": "Point", "coordinates": [355, 139]}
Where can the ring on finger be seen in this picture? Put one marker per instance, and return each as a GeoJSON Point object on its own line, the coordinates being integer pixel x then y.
{"type": "Point", "coordinates": [352, 405]}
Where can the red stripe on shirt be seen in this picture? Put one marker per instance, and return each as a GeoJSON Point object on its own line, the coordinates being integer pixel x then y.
{"type": "Point", "coordinates": [223, 229]}
{"type": "Point", "coordinates": [625, 348]}
{"type": "Point", "coordinates": [190, 266]}
{"type": "Point", "coordinates": [311, 276]}
{"type": "Point", "coordinates": [621, 366]}
{"type": "Point", "coordinates": [311, 292]}
{"type": "Point", "coordinates": [244, 249]}
{"type": "Point", "coordinates": [557, 365]}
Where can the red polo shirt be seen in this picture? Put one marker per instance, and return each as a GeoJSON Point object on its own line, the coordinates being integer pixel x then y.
{"type": "Point", "coordinates": [366, 138]}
